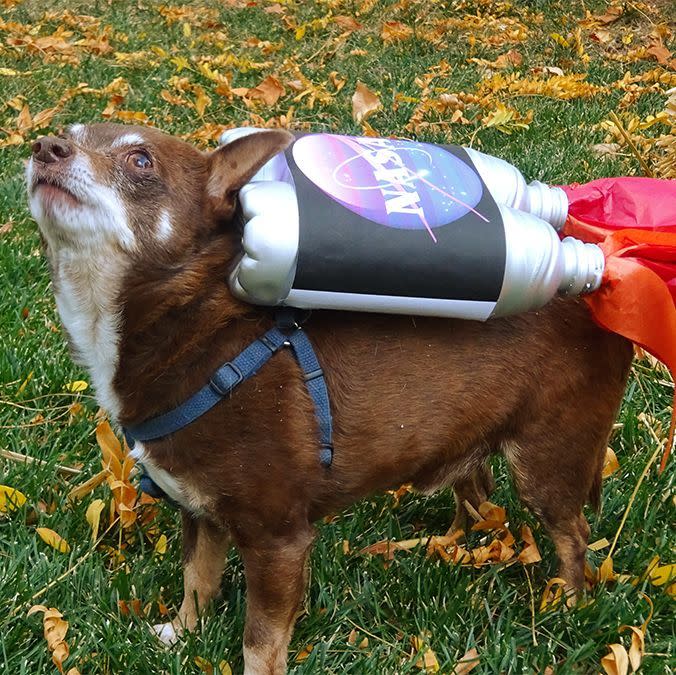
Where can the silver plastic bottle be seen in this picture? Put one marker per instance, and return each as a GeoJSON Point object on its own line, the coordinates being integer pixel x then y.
{"type": "Point", "coordinates": [537, 264]}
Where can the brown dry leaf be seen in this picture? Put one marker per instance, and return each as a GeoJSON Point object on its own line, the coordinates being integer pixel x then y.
{"type": "Point", "coordinates": [56, 541]}
{"type": "Point", "coordinates": [336, 80]}
{"type": "Point", "coordinates": [270, 90]}
{"type": "Point", "coordinates": [304, 653]}
{"type": "Point", "coordinates": [352, 637]}
{"type": "Point", "coordinates": [512, 58]}
{"type": "Point", "coordinates": [111, 448]}
{"type": "Point", "coordinates": [610, 463]}
{"type": "Point", "coordinates": [364, 103]}
{"type": "Point", "coordinates": [530, 553]}
{"type": "Point", "coordinates": [606, 150]}
{"type": "Point", "coordinates": [348, 23]}
{"type": "Point", "coordinates": [55, 629]}
{"type": "Point", "coordinates": [617, 662]}
{"type": "Point", "coordinates": [467, 663]}
{"type": "Point", "coordinates": [394, 31]}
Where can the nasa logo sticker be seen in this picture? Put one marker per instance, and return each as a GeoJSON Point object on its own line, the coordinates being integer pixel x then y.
{"type": "Point", "coordinates": [396, 183]}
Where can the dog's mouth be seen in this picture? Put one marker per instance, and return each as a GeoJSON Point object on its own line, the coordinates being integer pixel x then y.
{"type": "Point", "coordinates": [52, 187]}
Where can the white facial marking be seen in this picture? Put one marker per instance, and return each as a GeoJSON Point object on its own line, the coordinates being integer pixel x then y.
{"type": "Point", "coordinates": [127, 139]}
{"type": "Point", "coordinates": [78, 132]}
{"type": "Point", "coordinates": [164, 226]}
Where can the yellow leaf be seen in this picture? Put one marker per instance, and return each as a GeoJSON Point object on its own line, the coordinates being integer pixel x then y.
{"type": "Point", "coordinates": [10, 498]}
{"type": "Point", "coordinates": [85, 488]}
{"type": "Point", "coordinates": [551, 598]}
{"type": "Point", "coordinates": [467, 663]}
{"type": "Point", "coordinates": [77, 386]}
{"type": "Point", "coordinates": [610, 463]}
{"type": "Point", "coordinates": [187, 31]}
{"type": "Point", "coordinates": [661, 574]}
{"type": "Point", "coordinates": [224, 668]}
{"type": "Point", "coordinates": [8, 72]}
{"type": "Point", "coordinates": [29, 377]}
{"type": "Point", "coordinates": [617, 662]}
{"type": "Point", "coordinates": [202, 101]}
{"type": "Point", "coordinates": [161, 545]}
{"type": "Point", "coordinates": [93, 516]}
{"type": "Point", "coordinates": [53, 539]}
{"type": "Point", "coordinates": [606, 572]}
{"type": "Point", "coordinates": [364, 103]}
{"type": "Point", "coordinates": [204, 665]}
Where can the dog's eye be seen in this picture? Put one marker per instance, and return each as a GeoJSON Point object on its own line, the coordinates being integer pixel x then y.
{"type": "Point", "coordinates": [139, 159]}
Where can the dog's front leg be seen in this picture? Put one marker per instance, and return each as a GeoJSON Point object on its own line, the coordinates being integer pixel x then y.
{"type": "Point", "coordinates": [276, 573]}
{"type": "Point", "coordinates": [205, 547]}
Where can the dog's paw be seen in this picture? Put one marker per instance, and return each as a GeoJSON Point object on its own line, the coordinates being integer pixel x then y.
{"type": "Point", "coordinates": [167, 633]}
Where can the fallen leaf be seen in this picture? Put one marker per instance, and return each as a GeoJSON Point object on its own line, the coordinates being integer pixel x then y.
{"type": "Point", "coordinates": [161, 545]}
{"type": "Point", "coordinates": [617, 662]}
{"type": "Point", "coordinates": [53, 539]}
{"type": "Point", "coordinates": [304, 653]}
{"type": "Point", "coordinates": [55, 629]}
{"type": "Point", "coordinates": [348, 23]}
{"type": "Point", "coordinates": [610, 463]}
{"type": "Point", "coordinates": [467, 663]}
{"type": "Point", "coordinates": [552, 594]}
{"type": "Point", "coordinates": [530, 553]}
{"type": "Point", "coordinates": [270, 90]}
{"type": "Point", "coordinates": [10, 499]}
{"type": "Point", "coordinates": [224, 668]}
{"type": "Point", "coordinates": [364, 103]}
{"type": "Point", "coordinates": [93, 516]}
{"type": "Point", "coordinates": [76, 387]}
{"type": "Point", "coordinates": [394, 31]}
{"type": "Point", "coordinates": [204, 665]}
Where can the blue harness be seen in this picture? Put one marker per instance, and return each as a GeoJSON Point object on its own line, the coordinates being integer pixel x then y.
{"type": "Point", "coordinates": [286, 333]}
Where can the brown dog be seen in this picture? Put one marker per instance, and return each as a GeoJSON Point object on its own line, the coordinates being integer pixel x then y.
{"type": "Point", "coordinates": [138, 232]}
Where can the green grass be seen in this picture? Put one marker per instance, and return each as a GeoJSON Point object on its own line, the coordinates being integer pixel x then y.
{"type": "Point", "coordinates": [456, 607]}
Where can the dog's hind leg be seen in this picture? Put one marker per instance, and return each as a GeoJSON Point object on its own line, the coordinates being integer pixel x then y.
{"type": "Point", "coordinates": [474, 489]}
{"type": "Point", "coordinates": [205, 547]}
{"type": "Point", "coordinates": [555, 477]}
{"type": "Point", "coordinates": [275, 569]}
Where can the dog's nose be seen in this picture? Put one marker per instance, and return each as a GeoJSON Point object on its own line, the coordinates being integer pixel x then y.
{"type": "Point", "coordinates": [50, 149]}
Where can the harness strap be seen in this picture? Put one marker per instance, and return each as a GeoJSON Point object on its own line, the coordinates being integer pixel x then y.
{"type": "Point", "coordinates": [222, 382]}
{"type": "Point", "coordinates": [287, 333]}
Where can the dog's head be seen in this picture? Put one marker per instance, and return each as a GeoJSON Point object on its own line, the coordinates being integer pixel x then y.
{"type": "Point", "coordinates": [136, 189]}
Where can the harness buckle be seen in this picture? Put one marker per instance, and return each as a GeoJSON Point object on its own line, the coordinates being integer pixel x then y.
{"type": "Point", "coordinates": [226, 378]}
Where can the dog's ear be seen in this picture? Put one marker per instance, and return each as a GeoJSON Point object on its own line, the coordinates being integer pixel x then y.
{"type": "Point", "coordinates": [234, 164]}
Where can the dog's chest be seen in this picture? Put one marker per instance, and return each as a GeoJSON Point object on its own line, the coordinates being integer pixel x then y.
{"type": "Point", "coordinates": [86, 298]}
{"type": "Point", "coordinates": [177, 488]}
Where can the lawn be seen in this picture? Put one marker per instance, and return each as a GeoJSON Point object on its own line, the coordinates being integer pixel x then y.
{"type": "Point", "coordinates": [555, 87]}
